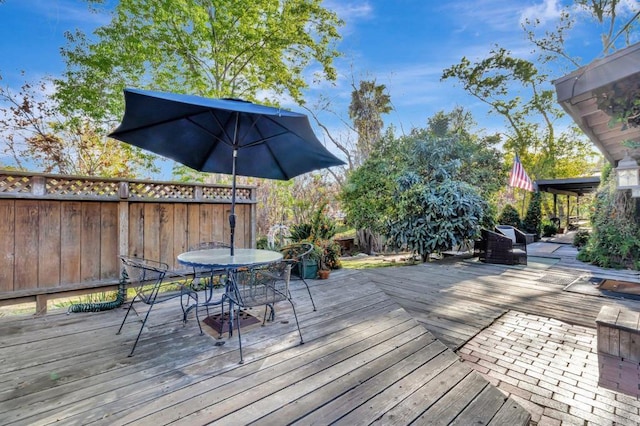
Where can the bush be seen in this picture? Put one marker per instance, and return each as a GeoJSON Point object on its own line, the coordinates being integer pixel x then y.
{"type": "Point", "coordinates": [262, 243]}
{"type": "Point", "coordinates": [322, 227]}
{"type": "Point", "coordinates": [549, 229]}
{"type": "Point", "coordinates": [533, 220]}
{"type": "Point", "coordinates": [581, 238]}
{"type": "Point", "coordinates": [300, 232]}
{"type": "Point", "coordinates": [510, 216]}
{"type": "Point", "coordinates": [615, 240]}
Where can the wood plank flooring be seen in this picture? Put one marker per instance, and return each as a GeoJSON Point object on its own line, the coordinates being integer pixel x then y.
{"type": "Point", "coordinates": [456, 299]}
{"type": "Point", "coordinates": [365, 360]}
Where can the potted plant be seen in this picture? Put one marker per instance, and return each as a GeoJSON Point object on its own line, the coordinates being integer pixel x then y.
{"type": "Point", "coordinates": [329, 252]}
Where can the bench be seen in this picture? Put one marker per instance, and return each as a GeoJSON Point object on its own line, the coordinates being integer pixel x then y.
{"type": "Point", "coordinates": [42, 295]}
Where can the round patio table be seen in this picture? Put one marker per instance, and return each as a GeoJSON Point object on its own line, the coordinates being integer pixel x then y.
{"type": "Point", "coordinates": [221, 258]}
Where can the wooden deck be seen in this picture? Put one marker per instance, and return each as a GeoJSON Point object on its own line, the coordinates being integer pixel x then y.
{"type": "Point", "coordinates": [455, 300]}
{"type": "Point", "coordinates": [365, 359]}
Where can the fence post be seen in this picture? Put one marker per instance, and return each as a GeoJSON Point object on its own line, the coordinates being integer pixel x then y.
{"type": "Point", "coordinates": [123, 219]}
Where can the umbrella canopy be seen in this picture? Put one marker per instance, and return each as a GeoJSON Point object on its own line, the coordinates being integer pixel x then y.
{"type": "Point", "coordinates": [223, 136]}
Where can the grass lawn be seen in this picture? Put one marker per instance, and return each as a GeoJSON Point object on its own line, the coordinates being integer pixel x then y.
{"type": "Point", "coordinates": [377, 261]}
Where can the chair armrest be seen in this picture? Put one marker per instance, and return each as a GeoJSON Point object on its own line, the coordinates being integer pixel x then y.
{"type": "Point", "coordinates": [521, 237]}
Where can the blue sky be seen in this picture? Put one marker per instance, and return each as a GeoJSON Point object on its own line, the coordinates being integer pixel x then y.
{"type": "Point", "coordinates": [404, 44]}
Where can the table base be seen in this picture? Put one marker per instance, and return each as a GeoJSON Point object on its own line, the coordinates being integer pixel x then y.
{"type": "Point", "coordinates": [218, 325]}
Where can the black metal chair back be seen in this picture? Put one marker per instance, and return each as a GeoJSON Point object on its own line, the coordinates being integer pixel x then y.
{"type": "Point", "coordinates": [297, 255]}
{"type": "Point", "coordinates": [262, 286]}
{"type": "Point", "coordinates": [147, 277]}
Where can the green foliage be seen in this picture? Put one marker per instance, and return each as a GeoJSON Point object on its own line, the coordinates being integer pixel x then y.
{"type": "Point", "coordinates": [329, 254]}
{"type": "Point", "coordinates": [262, 243]}
{"type": "Point", "coordinates": [322, 227]}
{"type": "Point", "coordinates": [368, 195]}
{"type": "Point", "coordinates": [489, 216]}
{"type": "Point", "coordinates": [368, 103]}
{"type": "Point", "coordinates": [581, 238]}
{"type": "Point", "coordinates": [510, 216]}
{"type": "Point", "coordinates": [433, 211]}
{"type": "Point", "coordinates": [216, 49]}
{"type": "Point", "coordinates": [549, 229]}
{"type": "Point", "coordinates": [300, 232]}
{"type": "Point", "coordinates": [532, 222]}
{"type": "Point", "coordinates": [615, 238]}
{"type": "Point", "coordinates": [319, 232]}
{"type": "Point", "coordinates": [529, 113]}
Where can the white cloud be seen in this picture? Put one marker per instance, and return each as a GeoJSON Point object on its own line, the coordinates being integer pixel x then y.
{"type": "Point", "coordinates": [546, 12]}
{"type": "Point", "coordinates": [349, 11]}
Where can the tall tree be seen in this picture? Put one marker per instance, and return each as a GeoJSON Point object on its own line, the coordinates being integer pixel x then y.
{"type": "Point", "coordinates": [481, 160]}
{"type": "Point", "coordinates": [514, 89]}
{"type": "Point", "coordinates": [37, 136]}
{"type": "Point", "coordinates": [215, 48]}
{"type": "Point", "coordinates": [368, 102]}
{"type": "Point", "coordinates": [618, 20]}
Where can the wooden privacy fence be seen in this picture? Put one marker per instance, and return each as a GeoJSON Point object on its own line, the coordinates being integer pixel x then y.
{"type": "Point", "coordinates": [63, 234]}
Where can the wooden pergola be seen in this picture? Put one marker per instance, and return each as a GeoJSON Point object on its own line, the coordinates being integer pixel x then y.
{"type": "Point", "coordinates": [572, 187]}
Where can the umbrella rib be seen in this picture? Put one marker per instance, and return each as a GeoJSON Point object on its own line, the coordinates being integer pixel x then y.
{"type": "Point", "coordinates": [201, 127]}
{"type": "Point", "coordinates": [263, 139]}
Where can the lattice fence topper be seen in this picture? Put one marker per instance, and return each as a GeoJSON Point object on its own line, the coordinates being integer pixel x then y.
{"type": "Point", "coordinates": [62, 186]}
{"type": "Point", "coordinates": [65, 187]}
{"type": "Point", "coordinates": [161, 190]}
{"type": "Point", "coordinates": [15, 184]}
{"type": "Point", "coordinates": [225, 193]}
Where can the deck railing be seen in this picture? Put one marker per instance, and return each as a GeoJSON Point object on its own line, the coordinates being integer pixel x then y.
{"type": "Point", "coordinates": [63, 234]}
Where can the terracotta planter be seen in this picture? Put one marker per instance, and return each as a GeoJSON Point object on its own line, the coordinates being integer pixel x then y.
{"type": "Point", "coordinates": [323, 274]}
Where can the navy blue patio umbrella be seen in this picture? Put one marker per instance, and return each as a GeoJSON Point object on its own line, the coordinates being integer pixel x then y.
{"type": "Point", "coordinates": [227, 136]}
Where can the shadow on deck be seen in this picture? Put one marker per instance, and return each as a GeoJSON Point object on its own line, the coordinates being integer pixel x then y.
{"type": "Point", "coordinates": [365, 360]}
{"type": "Point", "coordinates": [431, 343]}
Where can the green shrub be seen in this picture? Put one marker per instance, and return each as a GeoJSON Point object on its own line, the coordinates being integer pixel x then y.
{"type": "Point", "coordinates": [532, 223]}
{"type": "Point", "coordinates": [510, 216]}
{"type": "Point", "coordinates": [581, 238]}
{"type": "Point", "coordinates": [322, 227]}
{"type": "Point", "coordinates": [329, 254]}
{"type": "Point", "coordinates": [549, 229]}
{"type": "Point", "coordinates": [615, 238]}
{"type": "Point", "coordinates": [489, 216]}
{"type": "Point", "coordinates": [262, 243]}
{"type": "Point", "coordinates": [300, 232]}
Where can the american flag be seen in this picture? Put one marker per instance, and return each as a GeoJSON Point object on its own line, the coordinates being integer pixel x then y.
{"type": "Point", "coordinates": [518, 177]}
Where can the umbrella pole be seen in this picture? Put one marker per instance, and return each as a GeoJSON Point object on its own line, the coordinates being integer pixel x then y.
{"type": "Point", "coordinates": [232, 216]}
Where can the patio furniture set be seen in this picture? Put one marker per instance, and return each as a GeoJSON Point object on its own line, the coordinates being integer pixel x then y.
{"type": "Point", "coordinates": [250, 278]}
{"type": "Point", "coordinates": [253, 278]}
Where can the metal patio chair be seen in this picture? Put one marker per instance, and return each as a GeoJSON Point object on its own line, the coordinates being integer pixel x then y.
{"type": "Point", "coordinates": [148, 279]}
{"type": "Point", "coordinates": [261, 286]}
{"type": "Point", "coordinates": [297, 255]}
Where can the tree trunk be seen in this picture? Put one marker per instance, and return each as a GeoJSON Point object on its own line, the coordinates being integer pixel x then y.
{"type": "Point", "coordinates": [368, 242]}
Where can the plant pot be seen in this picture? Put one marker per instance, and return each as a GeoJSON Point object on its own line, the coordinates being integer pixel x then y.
{"type": "Point", "coordinates": [323, 274]}
{"type": "Point", "coordinates": [310, 270]}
